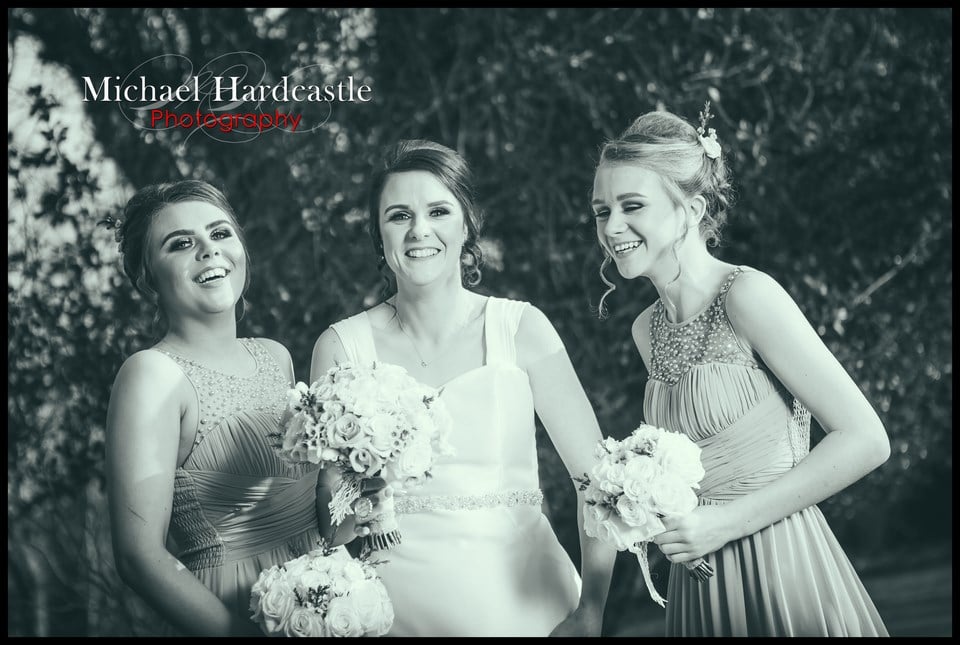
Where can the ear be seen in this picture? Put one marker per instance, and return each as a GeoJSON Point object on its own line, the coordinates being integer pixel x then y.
{"type": "Point", "coordinates": [696, 209]}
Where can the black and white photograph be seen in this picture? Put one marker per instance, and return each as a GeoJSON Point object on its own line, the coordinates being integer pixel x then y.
{"type": "Point", "coordinates": [465, 322]}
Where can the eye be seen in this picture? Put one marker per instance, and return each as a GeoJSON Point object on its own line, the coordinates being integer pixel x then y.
{"type": "Point", "coordinates": [439, 212]}
{"type": "Point", "coordinates": [396, 216]}
{"type": "Point", "coordinates": [221, 234]}
{"type": "Point", "coordinates": [601, 213]}
{"type": "Point", "coordinates": [180, 244]}
{"type": "Point", "coordinates": [632, 206]}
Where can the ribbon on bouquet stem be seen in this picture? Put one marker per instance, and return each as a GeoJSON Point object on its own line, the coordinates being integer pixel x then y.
{"type": "Point", "coordinates": [348, 491]}
{"type": "Point", "coordinates": [645, 569]}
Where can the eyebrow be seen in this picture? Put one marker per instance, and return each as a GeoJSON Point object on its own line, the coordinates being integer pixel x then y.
{"type": "Point", "coordinates": [184, 231]}
{"type": "Point", "coordinates": [442, 202]}
{"type": "Point", "coordinates": [622, 197]}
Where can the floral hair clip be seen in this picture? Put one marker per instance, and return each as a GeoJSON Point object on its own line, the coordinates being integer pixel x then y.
{"type": "Point", "coordinates": [114, 223]}
{"type": "Point", "coordinates": [708, 136]}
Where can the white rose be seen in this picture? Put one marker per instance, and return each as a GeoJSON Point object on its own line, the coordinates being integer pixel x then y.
{"type": "Point", "coordinates": [610, 478]}
{"type": "Point", "coordinates": [670, 495]}
{"type": "Point", "coordinates": [593, 516]}
{"type": "Point", "coordinates": [276, 603]}
{"type": "Point", "coordinates": [415, 459]}
{"type": "Point", "coordinates": [304, 622]}
{"type": "Point", "coordinates": [353, 571]}
{"type": "Point", "coordinates": [411, 399]}
{"type": "Point", "coordinates": [366, 599]}
{"type": "Point", "coordinates": [322, 390]}
{"type": "Point", "coordinates": [346, 432]}
{"type": "Point", "coordinates": [632, 512]}
{"type": "Point", "coordinates": [344, 374]}
{"type": "Point", "coordinates": [607, 446]}
{"type": "Point", "coordinates": [640, 471]}
{"type": "Point", "coordinates": [365, 461]}
{"type": "Point", "coordinates": [313, 579]}
{"type": "Point", "coordinates": [677, 454]}
{"type": "Point", "coordinates": [385, 617]}
{"type": "Point", "coordinates": [339, 586]}
{"type": "Point", "coordinates": [383, 430]}
{"type": "Point", "coordinates": [608, 532]}
{"type": "Point", "coordinates": [342, 619]}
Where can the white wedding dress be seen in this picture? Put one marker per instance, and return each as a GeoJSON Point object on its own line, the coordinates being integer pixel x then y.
{"type": "Point", "coordinates": [478, 557]}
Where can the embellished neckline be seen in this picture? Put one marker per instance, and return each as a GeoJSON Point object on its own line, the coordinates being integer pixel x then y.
{"type": "Point", "coordinates": [724, 287]}
{"type": "Point", "coordinates": [245, 342]}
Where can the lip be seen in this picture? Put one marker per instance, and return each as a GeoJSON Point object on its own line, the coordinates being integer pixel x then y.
{"type": "Point", "coordinates": [407, 255]}
{"type": "Point", "coordinates": [216, 281]}
{"type": "Point", "coordinates": [625, 251]}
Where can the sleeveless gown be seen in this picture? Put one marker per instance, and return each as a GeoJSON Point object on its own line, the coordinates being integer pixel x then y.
{"type": "Point", "coordinates": [478, 557]}
{"type": "Point", "coordinates": [238, 508]}
{"type": "Point", "coordinates": [791, 578]}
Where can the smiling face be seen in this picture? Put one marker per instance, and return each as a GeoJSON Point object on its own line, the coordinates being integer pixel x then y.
{"type": "Point", "coordinates": [637, 220]}
{"type": "Point", "coordinates": [196, 259]}
{"type": "Point", "coordinates": [422, 227]}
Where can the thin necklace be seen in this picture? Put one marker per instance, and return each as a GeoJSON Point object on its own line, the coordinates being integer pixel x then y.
{"type": "Point", "coordinates": [424, 363]}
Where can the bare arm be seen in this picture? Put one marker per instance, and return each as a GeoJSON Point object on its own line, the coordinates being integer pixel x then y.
{"type": "Point", "coordinates": [856, 441]}
{"type": "Point", "coordinates": [566, 413]}
{"type": "Point", "coordinates": [143, 436]}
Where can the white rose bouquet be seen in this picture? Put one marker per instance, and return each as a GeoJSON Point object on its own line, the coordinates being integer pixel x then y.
{"type": "Point", "coordinates": [323, 593]}
{"type": "Point", "coordinates": [367, 421]}
{"type": "Point", "coordinates": [637, 481]}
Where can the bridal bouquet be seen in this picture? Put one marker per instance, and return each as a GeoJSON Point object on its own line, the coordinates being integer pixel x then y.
{"type": "Point", "coordinates": [636, 482]}
{"type": "Point", "coordinates": [367, 421]}
{"type": "Point", "coordinates": [322, 593]}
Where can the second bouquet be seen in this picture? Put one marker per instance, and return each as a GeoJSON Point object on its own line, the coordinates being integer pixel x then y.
{"type": "Point", "coordinates": [367, 421]}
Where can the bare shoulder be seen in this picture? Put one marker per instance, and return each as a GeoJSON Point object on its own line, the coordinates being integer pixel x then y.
{"type": "Point", "coordinates": [640, 330]}
{"type": "Point", "coordinates": [757, 295]}
{"type": "Point", "coordinates": [329, 343]}
{"type": "Point", "coordinates": [149, 380]}
{"type": "Point", "coordinates": [327, 352]}
{"type": "Point", "coordinates": [146, 366]}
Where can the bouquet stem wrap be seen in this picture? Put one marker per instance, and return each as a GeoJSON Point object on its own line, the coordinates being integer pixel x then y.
{"type": "Point", "coordinates": [384, 530]}
{"type": "Point", "coordinates": [645, 569]}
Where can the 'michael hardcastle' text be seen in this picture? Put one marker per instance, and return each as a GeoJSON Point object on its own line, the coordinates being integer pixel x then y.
{"type": "Point", "coordinates": [227, 89]}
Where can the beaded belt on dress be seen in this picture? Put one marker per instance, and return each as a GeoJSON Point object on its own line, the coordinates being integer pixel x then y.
{"type": "Point", "coordinates": [419, 504]}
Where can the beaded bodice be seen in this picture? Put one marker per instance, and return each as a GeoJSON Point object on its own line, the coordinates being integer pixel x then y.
{"type": "Point", "coordinates": [705, 338]}
{"type": "Point", "coordinates": [708, 339]}
{"type": "Point", "coordinates": [220, 395]}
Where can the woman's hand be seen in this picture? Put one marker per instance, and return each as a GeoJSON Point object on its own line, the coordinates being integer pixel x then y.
{"type": "Point", "coordinates": [687, 537]}
{"type": "Point", "coordinates": [376, 500]}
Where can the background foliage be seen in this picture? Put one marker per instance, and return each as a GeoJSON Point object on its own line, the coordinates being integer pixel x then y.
{"type": "Point", "coordinates": [837, 124]}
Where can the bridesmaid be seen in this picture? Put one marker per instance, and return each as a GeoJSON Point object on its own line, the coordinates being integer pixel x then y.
{"type": "Point", "coordinates": [188, 452]}
{"type": "Point", "coordinates": [734, 364]}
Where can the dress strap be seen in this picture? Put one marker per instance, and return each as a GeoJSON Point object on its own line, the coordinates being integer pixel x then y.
{"type": "Point", "coordinates": [500, 329]}
{"type": "Point", "coordinates": [725, 287]}
{"type": "Point", "coordinates": [356, 335]}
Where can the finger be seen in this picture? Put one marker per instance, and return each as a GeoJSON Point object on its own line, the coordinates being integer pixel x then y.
{"type": "Point", "coordinates": [362, 530]}
{"type": "Point", "coordinates": [666, 537]}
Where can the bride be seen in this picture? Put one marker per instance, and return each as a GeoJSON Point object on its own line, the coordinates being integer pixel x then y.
{"type": "Point", "coordinates": [478, 555]}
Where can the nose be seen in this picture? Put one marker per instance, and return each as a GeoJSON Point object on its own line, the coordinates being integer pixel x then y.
{"type": "Point", "coordinates": [207, 249]}
{"type": "Point", "coordinates": [616, 223]}
{"type": "Point", "coordinates": [419, 227]}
